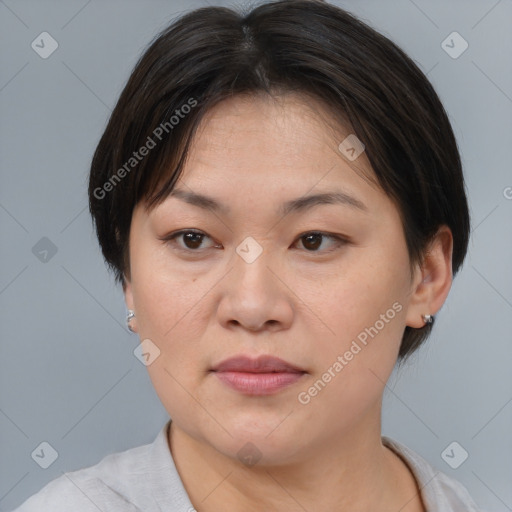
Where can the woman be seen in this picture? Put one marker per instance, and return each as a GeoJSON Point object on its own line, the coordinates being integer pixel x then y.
{"type": "Point", "coordinates": [281, 196]}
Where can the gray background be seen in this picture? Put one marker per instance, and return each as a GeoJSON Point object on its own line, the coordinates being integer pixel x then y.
{"type": "Point", "coordinates": [68, 375]}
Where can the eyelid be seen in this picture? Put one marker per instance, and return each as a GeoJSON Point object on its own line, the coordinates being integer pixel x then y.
{"type": "Point", "coordinates": [339, 240]}
{"type": "Point", "coordinates": [171, 237]}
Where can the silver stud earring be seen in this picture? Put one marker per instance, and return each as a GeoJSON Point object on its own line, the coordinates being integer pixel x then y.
{"type": "Point", "coordinates": [129, 315]}
{"type": "Point", "coordinates": [428, 319]}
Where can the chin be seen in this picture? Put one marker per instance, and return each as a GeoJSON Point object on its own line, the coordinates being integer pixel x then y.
{"type": "Point", "coordinates": [262, 451]}
{"type": "Point", "coordinates": [263, 440]}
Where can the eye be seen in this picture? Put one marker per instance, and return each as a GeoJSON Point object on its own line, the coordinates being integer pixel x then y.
{"type": "Point", "coordinates": [312, 240]}
{"type": "Point", "coordinates": [191, 239]}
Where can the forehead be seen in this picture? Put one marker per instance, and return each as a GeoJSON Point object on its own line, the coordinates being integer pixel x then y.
{"type": "Point", "coordinates": [278, 143]}
{"type": "Point", "coordinates": [289, 125]}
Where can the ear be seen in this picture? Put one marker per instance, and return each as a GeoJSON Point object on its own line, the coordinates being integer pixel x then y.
{"type": "Point", "coordinates": [128, 298]}
{"type": "Point", "coordinates": [432, 279]}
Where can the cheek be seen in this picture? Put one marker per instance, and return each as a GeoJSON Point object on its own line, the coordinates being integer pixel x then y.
{"type": "Point", "coordinates": [372, 291]}
{"type": "Point", "coordinates": [168, 306]}
{"type": "Point", "coordinates": [366, 309]}
{"type": "Point", "coordinates": [368, 317]}
{"type": "Point", "coordinates": [163, 296]}
{"type": "Point", "coordinates": [167, 303]}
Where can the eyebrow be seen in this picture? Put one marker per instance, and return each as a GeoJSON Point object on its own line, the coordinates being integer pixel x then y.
{"type": "Point", "coordinates": [295, 205]}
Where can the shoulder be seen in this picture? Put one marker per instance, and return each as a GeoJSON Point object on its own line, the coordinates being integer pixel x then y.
{"type": "Point", "coordinates": [121, 481]}
{"type": "Point", "coordinates": [81, 491]}
{"type": "Point", "coordinates": [92, 488]}
{"type": "Point", "coordinates": [438, 490]}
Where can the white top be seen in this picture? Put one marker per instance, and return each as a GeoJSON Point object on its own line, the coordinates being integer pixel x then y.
{"type": "Point", "coordinates": [145, 479]}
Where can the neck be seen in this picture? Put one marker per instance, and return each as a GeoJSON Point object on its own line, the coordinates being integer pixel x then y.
{"type": "Point", "coordinates": [351, 472]}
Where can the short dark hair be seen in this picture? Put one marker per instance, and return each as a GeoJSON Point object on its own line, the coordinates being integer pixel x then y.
{"type": "Point", "coordinates": [303, 46]}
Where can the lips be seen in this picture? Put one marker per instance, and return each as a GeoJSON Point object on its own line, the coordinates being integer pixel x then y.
{"type": "Point", "coordinates": [264, 375]}
{"type": "Point", "coordinates": [262, 364]}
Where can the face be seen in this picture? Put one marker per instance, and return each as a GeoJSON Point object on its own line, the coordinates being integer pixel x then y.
{"type": "Point", "coordinates": [324, 286]}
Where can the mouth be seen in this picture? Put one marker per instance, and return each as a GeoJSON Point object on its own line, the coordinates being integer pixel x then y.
{"type": "Point", "coordinates": [264, 375]}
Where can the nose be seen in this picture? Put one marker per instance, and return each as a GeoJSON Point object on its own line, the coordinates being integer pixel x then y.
{"type": "Point", "coordinates": [255, 297]}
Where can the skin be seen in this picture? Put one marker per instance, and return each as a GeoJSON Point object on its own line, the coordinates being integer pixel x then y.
{"type": "Point", "coordinates": [304, 302]}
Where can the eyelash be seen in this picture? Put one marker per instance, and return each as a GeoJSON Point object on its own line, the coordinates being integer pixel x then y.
{"type": "Point", "coordinates": [171, 238]}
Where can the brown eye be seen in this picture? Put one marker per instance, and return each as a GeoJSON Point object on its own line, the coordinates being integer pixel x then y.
{"type": "Point", "coordinates": [187, 240]}
{"type": "Point", "coordinates": [313, 240]}
{"type": "Point", "coordinates": [192, 239]}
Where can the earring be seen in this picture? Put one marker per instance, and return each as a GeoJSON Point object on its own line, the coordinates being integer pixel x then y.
{"type": "Point", "coordinates": [428, 319]}
{"type": "Point", "coordinates": [129, 315]}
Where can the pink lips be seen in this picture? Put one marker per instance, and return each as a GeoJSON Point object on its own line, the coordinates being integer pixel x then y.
{"type": "Point", "coordinates": [261, 376]}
